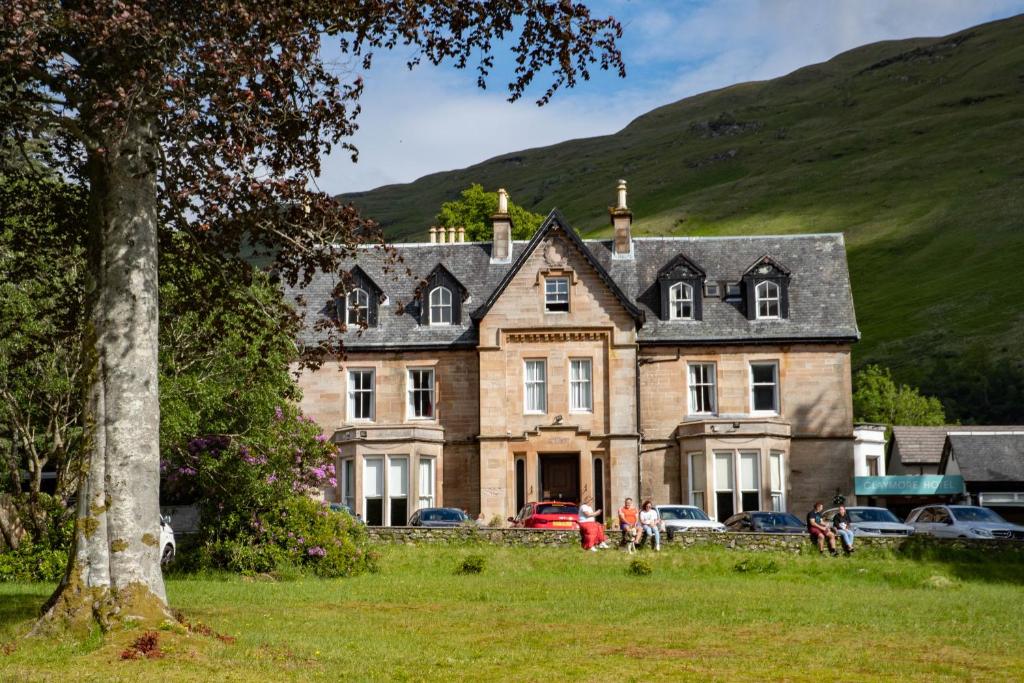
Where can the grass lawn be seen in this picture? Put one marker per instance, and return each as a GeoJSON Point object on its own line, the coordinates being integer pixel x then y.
{"type": "Point", "coordinates": [558, 613]}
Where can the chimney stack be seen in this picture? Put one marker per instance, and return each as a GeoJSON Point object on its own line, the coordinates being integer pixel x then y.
{"type": "Point", "coordinates": [622, 224]}
{"type": "Point", "coordinates": [501, 246]}
{"type": "Point", "coordinates": [433, 234]}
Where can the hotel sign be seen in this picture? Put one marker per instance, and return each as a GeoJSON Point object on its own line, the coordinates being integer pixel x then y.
{"type": "Point", "coordinates": [913, 485]}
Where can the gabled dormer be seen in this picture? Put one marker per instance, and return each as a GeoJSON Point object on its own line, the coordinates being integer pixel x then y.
{"type": "Point", "coordinates": [766, 290]}
{"type": "Point", "coordinates": [680, 286]}
{"type": "Point", "coordinates": [358, 299]}
{"type": "Point", "coordinates": [441, 297]}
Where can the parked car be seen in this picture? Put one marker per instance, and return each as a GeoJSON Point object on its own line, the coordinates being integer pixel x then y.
{"type": "Point", "coordinates": [766, 523]}
{"type": "Point", "coordinates": [872, 521]}
{"type": "Point", "coordinates": [168, 547]}
{"type": "Point", "coordinates": [683, 518]}
{"type": "Point", "coordinates": [963, 521]}
{"type": "Point", "coordinates": [547, 515]}
{"type": "Point", "coordinates": [438, 517]}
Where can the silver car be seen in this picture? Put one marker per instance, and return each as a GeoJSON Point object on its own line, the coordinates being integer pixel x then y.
{"type": "Point", "coordinates": [683, 518]}
{"type": "Point", "coordinates": [963, 521]}
{"type": "Point", "coordinates": [871, 521]}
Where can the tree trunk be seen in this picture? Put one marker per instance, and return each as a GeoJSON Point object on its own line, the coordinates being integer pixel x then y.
{"type": "Point", "coordinates": [114, 567]}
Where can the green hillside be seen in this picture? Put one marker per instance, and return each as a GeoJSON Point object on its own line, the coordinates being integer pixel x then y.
{"type": "Point", "coordinates": [914, 149]}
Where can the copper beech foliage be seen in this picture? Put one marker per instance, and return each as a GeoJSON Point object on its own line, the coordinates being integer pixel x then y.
{"type": "Point", "coordinates": [245, 102]}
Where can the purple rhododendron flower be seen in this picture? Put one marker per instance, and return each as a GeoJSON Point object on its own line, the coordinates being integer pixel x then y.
{"type": "Point", "coordinates": [316, 551]}
{"type": "Point", "coordinates": [278, 413]}
{"type": "Point", "coordinates": [271, 478]}
{"type": "Point", "coordinates": [187, 471]}
{"type": "Point", "coordinates": [321, 437]}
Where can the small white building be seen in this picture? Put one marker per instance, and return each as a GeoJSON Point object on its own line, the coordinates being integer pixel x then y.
{"type": "Point", "coordinates": [869, 450]}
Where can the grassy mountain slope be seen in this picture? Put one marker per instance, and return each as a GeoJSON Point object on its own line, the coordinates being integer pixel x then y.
{"type": "Point", "coordinates": [913, 148]}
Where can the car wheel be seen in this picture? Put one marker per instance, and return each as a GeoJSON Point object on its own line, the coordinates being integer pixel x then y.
{"type": "Point", "coordinates": [167, 556]}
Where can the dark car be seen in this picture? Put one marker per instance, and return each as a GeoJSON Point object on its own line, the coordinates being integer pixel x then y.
{"type": "Point", "coordinates": [438, 517]}
{"type": "Point", "coordinates": [547, 515]}
{"type": "Point", "coordinates": [766, 523]}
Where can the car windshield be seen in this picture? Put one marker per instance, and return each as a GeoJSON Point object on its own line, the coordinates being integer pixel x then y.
{"type": "Point", "coordinates": [873, 515]}
{"type": "Point", "coordinates": [775, 519]}
{"type": "Point", "coordinates": [442, 515]}
{"type": "Point", "coordinates": [977, 515]}
{"type": "Point", "coordinates": [556, 510]}
{"type": "Point", "coordinates": [669, 514]}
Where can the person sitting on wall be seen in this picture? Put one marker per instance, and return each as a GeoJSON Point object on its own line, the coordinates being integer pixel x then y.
{"type": "Point", "coordinates": [819, 531]}
{"type": "Point", "coordinates": [650, 524]}
{"type": "Point", "coordinates": [591, 531]}
{"type": "Point", "coordinates": [843, 526]}
{"type": "Point", "coordinates": [628, 523]}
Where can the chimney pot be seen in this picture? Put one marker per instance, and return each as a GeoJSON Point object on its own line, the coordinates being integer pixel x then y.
{"type": "Point", "coordinates": [501, 224]}
{"type": "Point", "coordinates": [441, 234]}
{"type": "Point", "coordinates": [433, 234]}
{"type": "Point", "coordinates": [502, 200]}
{"type": "Point", "coordinates": [622, 195]}
{"type": "Point", "coordinates": [462, 234]}
{"type": "Point", "coordinates": [451, 234]}
{"type": "Point", "coordinates": [622, 225]}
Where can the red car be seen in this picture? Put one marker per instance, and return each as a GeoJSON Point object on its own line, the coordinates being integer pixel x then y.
{"type": "Point", "coordinates": [547, 515]}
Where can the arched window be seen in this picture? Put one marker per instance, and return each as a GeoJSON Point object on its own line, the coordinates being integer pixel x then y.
{"type": "Point", "coordinates": [440, 306]}
{"type": "Point", "coordinates": [680, 302]}
{"type": "Point", "coordinates": [358, 306]}
{"type": "Point", "coordinates": [767, 294]}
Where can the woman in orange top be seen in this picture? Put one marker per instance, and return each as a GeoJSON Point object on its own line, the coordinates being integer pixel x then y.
{"type": "Point", "coordinates": [628, 521]}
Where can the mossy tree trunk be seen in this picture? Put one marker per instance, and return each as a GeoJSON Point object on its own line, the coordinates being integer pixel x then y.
{"type": "Point", "coordinates": [114, 570]}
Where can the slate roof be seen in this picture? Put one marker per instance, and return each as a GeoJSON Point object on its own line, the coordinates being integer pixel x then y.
{"type": "Point", "coordinates": [925, 445]}
{"type": "Point", "coordinates": [820, 299]}
{"type": "Point", "coordinates": [988, 455]}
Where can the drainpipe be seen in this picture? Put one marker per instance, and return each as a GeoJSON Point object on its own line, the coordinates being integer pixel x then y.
{"type": "Point", "coordinates": [639, 432]}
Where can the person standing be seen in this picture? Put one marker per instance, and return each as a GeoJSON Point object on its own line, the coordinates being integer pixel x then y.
{"type": "Point", "coordinates": [592, 534]}
{"type": "Point", "coordinates": [819, 531]}
{"type": "Point", "coordinates": [650, 523]}
{"type": "Point", "coordinates": [844, 528]}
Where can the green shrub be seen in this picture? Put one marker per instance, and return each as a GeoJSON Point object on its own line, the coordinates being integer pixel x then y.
{"type": "Point", "coordinates": [472, 564]}
{"type": "Point", "coordinates": [756, 565]}
{"type": "Point", "coordinates": [33, 562]}
{"type": "Point", "coordinates": [640, 567]}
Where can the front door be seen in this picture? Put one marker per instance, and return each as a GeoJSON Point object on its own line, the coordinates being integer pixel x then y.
{"type": "Point", "coordinates": [560, 477]}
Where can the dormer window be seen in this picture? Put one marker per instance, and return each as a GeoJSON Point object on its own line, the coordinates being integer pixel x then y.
{"type": "Point", "coordinates": [440, 306]}
{"type": "Point", "coordinates": [556, 294]}
{"type": "Point", "coordinates": [767, 295]}
{"type": "Point", "coordinates": [680, 302]}
{"type": "Point", "coordinates": [357, 307]}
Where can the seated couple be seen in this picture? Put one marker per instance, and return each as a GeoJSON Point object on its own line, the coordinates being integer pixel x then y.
{"type": "Point", "coordinates": [638, 524]}
{"type": "Point", "coordinates": [821, 532]}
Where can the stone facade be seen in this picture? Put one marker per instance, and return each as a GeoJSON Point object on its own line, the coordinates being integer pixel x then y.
{"type": "Point", "coordinates": [593, 396]}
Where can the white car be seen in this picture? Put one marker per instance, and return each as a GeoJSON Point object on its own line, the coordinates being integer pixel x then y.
{"type": "Point", "coordinates": [871, 521]}
{"type": "Point", "coordinates": [167, 545]}
{"type": "Point", "coordinates": [963, 521]}
{"type": "Point", "coordinates": [683, 518]}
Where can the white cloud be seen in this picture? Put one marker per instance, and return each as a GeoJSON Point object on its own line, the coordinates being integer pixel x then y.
{"type": "Point", "coordinates": [435, 119]}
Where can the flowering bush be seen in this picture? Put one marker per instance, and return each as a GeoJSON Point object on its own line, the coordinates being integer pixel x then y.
{"type": "Point", "coordinates": [255, 497]}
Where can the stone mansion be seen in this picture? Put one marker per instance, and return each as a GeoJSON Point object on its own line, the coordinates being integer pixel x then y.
{"type": "Point", "coordinates": [712, 371]}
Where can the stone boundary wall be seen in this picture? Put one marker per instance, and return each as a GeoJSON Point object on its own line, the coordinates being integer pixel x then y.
{"type": "Point", "coordinates": [791, 543]}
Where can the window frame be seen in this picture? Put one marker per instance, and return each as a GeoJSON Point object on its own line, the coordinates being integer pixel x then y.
{"type": "Point", "coordinates": [348, 479]}
{"type": "Point", "coordinates": [588, 383]}
{"type": "Point", "coordinates": [441, 306]}
{"type": "Point", "coordinates": [431, 495]}
{"type": "Point", "coordinates": [702, 491]}
{"type": "Point", "coordinates": [768, 300]}
{"type": "Point", "coordinates": [410, 404]}
{"type": "Point", "coordinates": [692, 386]}
{"type": "Point", "coordinates": [362, 305]}
{"type": "Point", "coordinates": [382, 497]}
{"type": "Point", "coordinates": [543, 382]}
{"type": "Point", "coordinates": [779, 492]}
{"type": "Point", "coordinates": [549, 301]}
{"type": "Point", "coordinates": [731, 454]}
{"type": "Point", "coordinates": [389, 494]}
{"type": "Point", "coordinates": [372, 391]}
{"type": "Point", "coordinates": [776, 384]}
{"type": "Point", "coordinates": [675, 301]}
{"type": "Point", "coordinates": [738, 474]}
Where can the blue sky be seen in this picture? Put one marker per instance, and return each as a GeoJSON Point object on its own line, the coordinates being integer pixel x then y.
{"type": "Point", "coordinates": [435, 118]}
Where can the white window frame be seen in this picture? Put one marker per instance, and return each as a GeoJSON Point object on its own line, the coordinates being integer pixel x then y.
{"type": "Point", "coordinates": [543, 382]}
{"type": "Point", "coordinates": [352, 392]}
{"type": "Point", "coordinates": [677, 301]}
{"type": "Point", "coordinates": [383, 489]}
{"type": "Point", "coordinates": [440, 306]}
{"type": "Point", "coordinates": [775, 410]}
{"type": "Point", "coordinates": [693, 385]}
{"type": "Point", "coordinates": [389, 494]}
{"type": "Point", "coordinates": [347, 480]}
{"type": "Point", "coordinates": [360, 307]}
{"type": "Point", "coordinates": [586, 385]}
{"type": "Point", "coordinates": [430, 495]}
{"type": "Point", "coordinates": [556, 297]}
{"type": "Point", "coordinates": [410, 404]}
{"type": "Point", "coordinates": [778, 495]}
{"type": "Point", "coordinates": [738, 475]}
{"type": "Point", "coordinates": [717, 485]}
{"type": "Point", "coordinates": [768, 298]}
{"type": "Point", "coordinates": [694, 491]}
